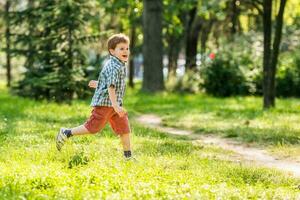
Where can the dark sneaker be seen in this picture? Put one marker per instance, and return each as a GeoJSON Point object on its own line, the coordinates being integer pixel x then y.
{"type": "Point", "coordinates": [61, 138]}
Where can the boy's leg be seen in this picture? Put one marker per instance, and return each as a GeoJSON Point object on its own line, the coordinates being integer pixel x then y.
{"type": "Point", "coordinates": [125, 140]}
{"type": "Point", "coordinates": [64, 134]}
{"type": "Point", "coordinates": [80, 130]}
{"type": "Point", "coordinates": [120, 125]}
{"type": "Point", "coordinates": [94, 124]}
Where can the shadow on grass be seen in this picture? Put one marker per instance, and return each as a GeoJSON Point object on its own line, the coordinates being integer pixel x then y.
{"type": "Point", "coordinates": [261, 136]}
{"type": "Point", "coordinates": [17, 114]}
{"type": "Point", "coordinates": [166, 147]}
{"type": "Point", "coordinates": [12, 191]}
{"type": "Point", "coordinates": [264, 135]}
{"type": "Point", "coordinates": [11, 111]}
{"type": "Point", "coordinates": [231, 111]}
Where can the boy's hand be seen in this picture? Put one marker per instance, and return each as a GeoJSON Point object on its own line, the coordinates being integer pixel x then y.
{"type": "Point", "coordinates": [93, 84]}
{"type": "Point", "coordinates": [121, 111]}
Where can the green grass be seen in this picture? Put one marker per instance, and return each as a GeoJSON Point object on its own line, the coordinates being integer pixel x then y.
{"type": "Point", "coordinates": [92, 167]}
{"type": "Point", "coordinates": [240, 118]}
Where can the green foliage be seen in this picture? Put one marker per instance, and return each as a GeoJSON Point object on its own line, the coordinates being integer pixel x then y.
{"type": "Point", "coordinates": [236, 70]}
{"type": "Point", "coordinates": [55, 62]}
{"type": "Point", "coordinates": [174, 17]}
{"type": "Point", "coordinates": [288, 76]}
{"type": "Point", "coordinates": [126, 18]}
{"type": "Point", "coordinates": [190, 82]}
{"type": "Point", "coordinates": [223, 76]}
{"type": "Point", "coordinates": [212, 9]}
{"type": "Point", "coordinates": [78, 159]}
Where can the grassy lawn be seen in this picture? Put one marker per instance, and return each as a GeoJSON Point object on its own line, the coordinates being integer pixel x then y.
{"type": "Point", "coordinates": [166, 168]}
{"type": "Point", "coordinates": [240, 118]}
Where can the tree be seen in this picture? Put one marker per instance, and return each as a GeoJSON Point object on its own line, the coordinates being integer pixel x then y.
{"type": "Point", "coordinates": [174, 17]}
{"type": "Point", "coordinates": [134, 21]}
{"type": "Point", "coordinates": [8, 41]}
{"type": "Point", "coordinates": [271, 48]}
{"type": "Point", "coordinates": [152, 46]}
{"type": "Point", "coordinates": [131, 63]}
{"type": "Point", "coordinates": [234, 15]}
{"type": "Point", "coordinates": [55, 70]}
{"type": "Point", "coordinates": [192, 33]}
{"type": "Point", "coordinates": [200, 20]}
{"type": "Point", "coordinates": [271, 54]}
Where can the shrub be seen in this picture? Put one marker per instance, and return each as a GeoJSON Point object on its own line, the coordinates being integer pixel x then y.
{"type": "Point", "coordinates": [190, 82]}
{"type": "Point", "coordinates": [223, 77]}
{"type": "Point", "coordinates": [288, 75]}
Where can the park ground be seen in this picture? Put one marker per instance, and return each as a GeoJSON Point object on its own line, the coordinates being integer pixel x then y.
{"type": "Point", "coordinates": [166, 167]}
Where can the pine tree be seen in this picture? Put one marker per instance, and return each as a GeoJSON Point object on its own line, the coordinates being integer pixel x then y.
{"type": "Point", "coordinates": [54, 32]}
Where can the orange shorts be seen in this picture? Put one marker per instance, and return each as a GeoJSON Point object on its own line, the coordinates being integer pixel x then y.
{"type": "Point", "coordinates": [103, 114]}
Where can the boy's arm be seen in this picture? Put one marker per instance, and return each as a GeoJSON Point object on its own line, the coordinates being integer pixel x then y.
{"type": "Point", "coordinates": [113, 99]}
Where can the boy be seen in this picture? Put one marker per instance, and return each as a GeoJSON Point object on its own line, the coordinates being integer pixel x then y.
{"type": "Point", "coordinates": [108, 98]}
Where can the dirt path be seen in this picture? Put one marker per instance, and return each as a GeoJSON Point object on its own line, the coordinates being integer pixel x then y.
{"type": "Point", "coordinates": [251, 154]}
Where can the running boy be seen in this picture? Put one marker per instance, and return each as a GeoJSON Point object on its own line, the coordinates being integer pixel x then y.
{"type": "Point", "coordinates": [107, 101]}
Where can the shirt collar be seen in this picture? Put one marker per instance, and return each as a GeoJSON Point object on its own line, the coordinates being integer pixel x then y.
{"type": "Point", "coordinates": [116, 60]}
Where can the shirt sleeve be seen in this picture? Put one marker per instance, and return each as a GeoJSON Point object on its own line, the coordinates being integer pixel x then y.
{"type": "Point", "coordinates": [113, 77]}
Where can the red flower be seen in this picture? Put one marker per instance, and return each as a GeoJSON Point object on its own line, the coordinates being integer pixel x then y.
{"type": "Point", "coordinates": [212, 56]}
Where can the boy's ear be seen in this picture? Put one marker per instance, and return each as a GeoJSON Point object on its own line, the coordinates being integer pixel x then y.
{"type": "Point", "coordinates": [111, 51]}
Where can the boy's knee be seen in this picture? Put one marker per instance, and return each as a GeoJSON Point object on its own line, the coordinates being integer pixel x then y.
{"type": "Point", "coordinates": [94, 130]}
{"type": "Point", "coordinates": [124, 135]}
{"type": "Point", "coordinates": [91, 129]}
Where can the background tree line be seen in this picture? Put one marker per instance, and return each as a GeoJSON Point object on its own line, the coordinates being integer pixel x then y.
{"type": "Point", "coordinates": [229, 47]}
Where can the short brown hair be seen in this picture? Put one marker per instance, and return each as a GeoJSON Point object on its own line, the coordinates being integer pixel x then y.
{"type": "Point", "coordinates": [116, 39]}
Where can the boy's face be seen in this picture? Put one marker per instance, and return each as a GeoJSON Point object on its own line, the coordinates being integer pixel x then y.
{"type": "Point", "coordinates": [121, 52]}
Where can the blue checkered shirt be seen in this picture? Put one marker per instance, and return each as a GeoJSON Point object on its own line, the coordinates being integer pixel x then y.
{"type": "Point", "coordinates": [112, 73]}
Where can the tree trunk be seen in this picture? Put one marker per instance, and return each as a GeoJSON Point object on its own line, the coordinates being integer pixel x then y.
{"type": "Point", "coordinates": [152, 47]}
{"type": "Point", "coordinates": [7, 37]}
{"type": "Point", "coordinates": [234, 17]}
{"type": "Point", "coordinates": [30, 56]}
{"type": "Point", "coordinates": [276, 49]}
{"type": "Point", "coordinates": [271, 56]}
{"type": "Point", "coordinates": [70, 49]}
{"type": "Point", "coordinates": [205, 34]}
{"type": "Point", "coordinates": [191, 50]}
{"type": "Point", "coordinates": [267, 73]}
{"type": "Point", "coordinates": [131, 64]}
{"type": "Point", "coordinates": [193, 29]}
{"type": "Point", "coordinates": [69, 91]}
{"type": "Point", "coordinates": [173, 54]}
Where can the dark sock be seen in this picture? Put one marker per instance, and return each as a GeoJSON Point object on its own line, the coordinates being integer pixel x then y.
{"type": "Point", "coordinates": [68, 133]}
{"type": "Point", "coordinates": [127, 154]}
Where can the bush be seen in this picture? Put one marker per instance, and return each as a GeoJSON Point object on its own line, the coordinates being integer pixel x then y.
{"type": "Point", "coordinates": [54, 85]}
{"type": "Point", "coordinates": [223, 77]}
{"type": "Point", "coordinates": [288, 75]}
{"type": "Point", "coordinates": [236, 68]}
{"type": "Point", "coordinates": [190, 82]}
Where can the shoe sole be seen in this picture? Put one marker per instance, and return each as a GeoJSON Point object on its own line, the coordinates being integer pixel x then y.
{"type": "Point", "coordinates": [58, 142]}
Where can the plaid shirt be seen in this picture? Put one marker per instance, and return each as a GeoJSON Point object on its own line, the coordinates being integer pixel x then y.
{"type": "Point", "coordinates": [112, 73]}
